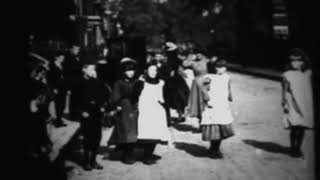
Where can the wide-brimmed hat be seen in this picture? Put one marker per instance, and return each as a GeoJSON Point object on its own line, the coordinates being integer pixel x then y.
{"type": "Point", "coordinates": [127, 59]}
{"type": "Point", "coordinates": [127, 63]}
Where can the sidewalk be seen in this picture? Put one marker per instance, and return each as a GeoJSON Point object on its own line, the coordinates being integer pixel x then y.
{"type": "Point", "coordinates": [61, 136]}
{"type": "Point", "coordinates": [261, 72]}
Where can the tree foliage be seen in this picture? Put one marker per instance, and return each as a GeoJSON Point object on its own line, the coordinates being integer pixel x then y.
{"type": "Point", "coordinates": [141, 18]}
{"type": "Point", "coordinates": [177, 19]}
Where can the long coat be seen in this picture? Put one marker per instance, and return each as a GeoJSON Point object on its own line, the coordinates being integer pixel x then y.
{"type": "Point", "coordinates": [125, 130]}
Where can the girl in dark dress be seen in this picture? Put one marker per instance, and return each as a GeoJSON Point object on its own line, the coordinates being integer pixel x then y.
{"type": "Point", "coordinates": [125, 131]}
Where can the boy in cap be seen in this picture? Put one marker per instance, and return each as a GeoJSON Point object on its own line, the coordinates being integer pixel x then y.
{"type": "Point", "coordinates": [93, 99]}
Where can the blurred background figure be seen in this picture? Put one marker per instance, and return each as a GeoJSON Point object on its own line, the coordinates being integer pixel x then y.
{"type": "Point", "coordinates": [57, 84]}
{"type": "Point", "coordinates": [40, 98]}
{"type": "Point", "coordinates": [198, 63]}
{"type": "Point", "coordinates": [73, 74]}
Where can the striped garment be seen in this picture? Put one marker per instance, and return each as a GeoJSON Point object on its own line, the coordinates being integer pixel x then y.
{"type": "Point", "coordinates": [216, 132]}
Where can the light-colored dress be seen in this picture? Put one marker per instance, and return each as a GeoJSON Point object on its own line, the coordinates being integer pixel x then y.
{"type": "Point", "coordinates": [152, 122]}
{"type": "Point", "coordinates": [299, 98]}
{"type": "Point", "coordinates": [218, 109]}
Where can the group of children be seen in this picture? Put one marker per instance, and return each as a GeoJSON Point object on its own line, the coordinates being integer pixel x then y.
{"type": "Point", "coordinates": [138, 103]}
{"type": "Point", "coordinates": [143, 107]}
{"type": "Point", "coordinates": [141, 117]}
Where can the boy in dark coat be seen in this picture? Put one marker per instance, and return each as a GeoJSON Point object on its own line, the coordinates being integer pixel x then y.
{"type": "Point", "coordinates": [93, 100]}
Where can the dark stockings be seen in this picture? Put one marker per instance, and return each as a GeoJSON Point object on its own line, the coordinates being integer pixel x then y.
{"type": "Point", "coordinates": [214, 151]}
{"type": "Point", "coordinates": [148, 149]}
{"type": "Point", "coordinates": [215, 145]}
{"type": "Point", "coordinates": [296, 138]}
{"type": "Point", "coordinates": [128, 156]}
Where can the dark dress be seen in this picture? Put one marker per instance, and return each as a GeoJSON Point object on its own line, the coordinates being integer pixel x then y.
{"type": "Point", "coordinates": [179, 92]}
{"type": "Point", "coordinates": [125, 130]}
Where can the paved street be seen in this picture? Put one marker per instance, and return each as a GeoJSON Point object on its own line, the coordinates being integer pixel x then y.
{"type": "Point", "coordinates": [257, 151]}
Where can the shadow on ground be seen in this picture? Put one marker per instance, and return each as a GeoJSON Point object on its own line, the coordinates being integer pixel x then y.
{"type": "Point", "coordinates": [186, 128]}
{"type": "Point", "coordinates": [268, 146]}
{"type": "Point", "coordinates": [113, 154]}
{"type": "Point", "coordinates": [193, 149]}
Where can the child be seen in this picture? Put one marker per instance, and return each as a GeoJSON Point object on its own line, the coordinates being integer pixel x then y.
{"type": "Point", "coordinates": [125, 131]}
{"type": "Point", "coordinates": [94, 96]}
{"type": "Point", "coordinates": [297, 99]}
{"type": "Point", "coordinates": [217, 118]}
{"type": "Point", "coordinates": [152, 123]}
{"type": "Point", "coordinates": [40, 99]}
{"type": "Point", "coordinates": [57, 83]}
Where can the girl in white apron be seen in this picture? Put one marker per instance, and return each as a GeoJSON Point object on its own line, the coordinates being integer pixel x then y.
{"type": "Point", "coordinates": [216, 123]}
{"type": "Point", "coordinates": [152, 122]}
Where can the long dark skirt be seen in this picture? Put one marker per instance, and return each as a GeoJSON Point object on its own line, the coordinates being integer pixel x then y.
{"type": "Point", "coordinates": [178, 93]}
{"type": "Point", "coordinates": [125, 129]}
{"type": "Point", "coordinates": [216, 132]}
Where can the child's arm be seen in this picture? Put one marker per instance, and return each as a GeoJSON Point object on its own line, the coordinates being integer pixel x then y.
{"type": "Point", "coordinates": [205, 91]}
{"type": "Point", "coordinates": [285, 87]}
{"type": "Point", "coordinates": [230, 97]}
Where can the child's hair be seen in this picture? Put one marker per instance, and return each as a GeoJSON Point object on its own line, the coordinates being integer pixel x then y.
{"type": "Point", "coordinates": [222, 62]}
{"type": "Point", "coordinates": [211, 66]}
{"type": "Point", "coordinates": [151, 63]}
{"type": "Point", "coordinates": [297, 52]}
{"type": "Point", "coordinates": [58, 53]}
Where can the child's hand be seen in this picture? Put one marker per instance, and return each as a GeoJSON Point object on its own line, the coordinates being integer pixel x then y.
{"type": "Point", "coordinates": [85, 114]}
{"type": "Point", "coordinates": [161, 103]}
{"type": "Point", "coordinates": [285, 108]}
{"type": "Point", "coordinates": [33, 106]}
{"type": "Point", "coordinates": [112, 113]}
{"type": "Point", "coordinates": [119, 108]}
{"type": "Point", "coordinates": [141, 78]}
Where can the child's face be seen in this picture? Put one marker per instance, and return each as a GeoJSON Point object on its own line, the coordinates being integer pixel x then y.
{"type": "Point", "coordinates": [221, 70]}
{"type": "Point", "coordinates": [296, 62]}
{"type": "Point", "coordinates": [130, 73]}
{"type": "Point", "coordinates": [75, 50]}
{"type": "Point", "coordinates": [90, 70]}
{"type": "Point", "coordinates": [152, 71]}
{"type": "Point", "coordinates": [60, 58]}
